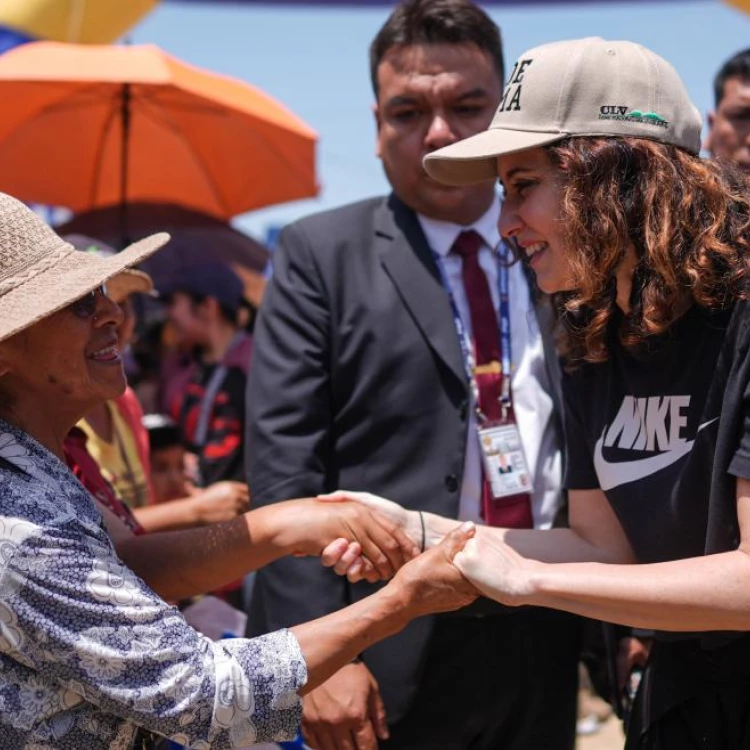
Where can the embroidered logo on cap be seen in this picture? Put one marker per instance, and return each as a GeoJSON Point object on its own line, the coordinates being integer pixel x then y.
{"type": "Point", "coordinates": [619, 112]}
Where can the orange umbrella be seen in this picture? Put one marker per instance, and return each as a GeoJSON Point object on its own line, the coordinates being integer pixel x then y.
{"type": "Point", "coordinates": [89, 126]}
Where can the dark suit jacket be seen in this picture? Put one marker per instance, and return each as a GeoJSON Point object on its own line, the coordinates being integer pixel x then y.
{"type": "Point", "coordinates": [358, 383]}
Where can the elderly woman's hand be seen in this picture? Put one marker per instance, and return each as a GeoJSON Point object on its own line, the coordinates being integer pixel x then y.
{"type": "Point", "coordinates": [432, 582]}
{"type": "Point", "coordinates": [373, 545]}
{"type": "Point", "coordinates": [346, 559]}
{"type": "Point", "coordinates": [408, 520]}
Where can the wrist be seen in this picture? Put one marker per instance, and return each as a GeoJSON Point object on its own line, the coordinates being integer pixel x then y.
{"type": "Point", "coordinates": [274, 526]}
{"type": "Point", "coordinates": [436, 528]}
{"type": "Point", "coordinates": [534, 582]}
{"type": "Point", "coordinates": [194, 504]}
{"type": "Point", "coordinates": [397, 605]}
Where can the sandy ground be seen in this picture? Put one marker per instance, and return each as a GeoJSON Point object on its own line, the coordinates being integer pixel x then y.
{"type": "Point", "coordinates": [609, 737]}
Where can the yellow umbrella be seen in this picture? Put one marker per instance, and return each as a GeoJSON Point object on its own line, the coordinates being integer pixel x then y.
{"type": "Point", "coordinates": [87, 21]}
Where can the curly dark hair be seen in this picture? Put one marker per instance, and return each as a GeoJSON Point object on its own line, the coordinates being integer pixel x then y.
{"type": "Point", "coordinates": [687, 218]}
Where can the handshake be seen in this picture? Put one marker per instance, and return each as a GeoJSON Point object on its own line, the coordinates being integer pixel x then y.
{"type": "Point", "coordinates": [435, 562]}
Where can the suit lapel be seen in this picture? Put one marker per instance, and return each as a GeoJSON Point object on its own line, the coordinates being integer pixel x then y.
{"type": "Point", "coordinates": [409, 263]}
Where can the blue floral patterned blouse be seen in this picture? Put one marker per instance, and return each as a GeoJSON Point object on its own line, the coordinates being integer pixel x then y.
{"type": "Point", "coordinates": [88, 653]}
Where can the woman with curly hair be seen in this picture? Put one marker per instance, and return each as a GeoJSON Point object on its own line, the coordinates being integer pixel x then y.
{"type": "Point", "coordinates": [644, 248]}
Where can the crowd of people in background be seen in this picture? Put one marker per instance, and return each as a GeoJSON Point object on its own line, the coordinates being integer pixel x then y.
{"type": "Point", "coordinates": [463, 354]}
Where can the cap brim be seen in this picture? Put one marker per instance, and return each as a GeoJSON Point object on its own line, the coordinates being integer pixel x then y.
{"type": "Point", "coordinates": [129, 282]}
{"type": "Point", "coordinates": [475, 159]}
{"type": "Point", "coordinates": [69, 279]}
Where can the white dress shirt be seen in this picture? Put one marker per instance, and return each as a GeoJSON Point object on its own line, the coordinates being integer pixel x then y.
{"type": "Point", "coordinates": [530, 385]}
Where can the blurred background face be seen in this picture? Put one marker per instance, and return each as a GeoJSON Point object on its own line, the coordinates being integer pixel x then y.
{"type": "Point", "coordinates": [729, 125]}
{"type": "Point", "coordinates": [69, 362]}
{"type": "Point", "coordinates": [168, 474]}
{"type": "Point", "coordinates": [187, 319]}
{"type": "Point", "coordinates": [430, 96]}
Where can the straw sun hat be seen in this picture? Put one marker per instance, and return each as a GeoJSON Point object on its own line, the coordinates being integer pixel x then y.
{"type": "Point", "coordinates": [40, 273]}
{"type": "Point", "coordinates": [124, 284]}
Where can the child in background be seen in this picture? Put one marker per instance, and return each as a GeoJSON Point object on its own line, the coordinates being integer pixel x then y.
{"type": "Point", "coordinates": [169, 473]}
{"type": "Point", "coordinates": [173, 472]}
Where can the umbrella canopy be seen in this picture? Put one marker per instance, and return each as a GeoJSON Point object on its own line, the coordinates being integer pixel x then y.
{"type": "Point", "coordinates": [71, 20]}
{"type": "Point", "coordinates": [361, 3]}
{"type": "Point", "coordinates": [98, 125]}
{"type": "Point", "coordinates": [195, 237]}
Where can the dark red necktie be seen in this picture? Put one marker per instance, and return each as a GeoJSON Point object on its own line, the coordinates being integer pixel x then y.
{"type": "Point", "coordinates": [513, 511]}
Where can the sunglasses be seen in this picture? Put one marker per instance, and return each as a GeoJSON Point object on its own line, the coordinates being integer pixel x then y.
{"type": "Point", "coordinates": [85, 307]}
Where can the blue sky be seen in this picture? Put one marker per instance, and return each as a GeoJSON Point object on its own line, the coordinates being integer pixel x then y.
{"type": "Point", "coordinates": [314, 60]}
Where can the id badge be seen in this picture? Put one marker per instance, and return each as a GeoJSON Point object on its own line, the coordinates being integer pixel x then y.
{"type": "Point", "coordinates": [504, 461]}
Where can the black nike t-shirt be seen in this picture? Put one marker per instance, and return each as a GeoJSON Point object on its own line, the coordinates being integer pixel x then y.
{"type": "Point", "coordinates": [642, 427]}
{"type": "Point", "coordinates": [665, 432]}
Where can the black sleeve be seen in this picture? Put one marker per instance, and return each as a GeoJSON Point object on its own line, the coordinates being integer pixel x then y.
{"type": "Point", "coordinates": [740, 464]}
{"type": "Point", "coordinates": [579, 466]}
{"type": "Point", "coordinates": [737, 399]}
{"type": "Point", "coordinates": [289, 426]}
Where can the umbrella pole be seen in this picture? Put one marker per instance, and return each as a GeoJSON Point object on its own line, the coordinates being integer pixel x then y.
{"type": "Point", "coordinates": [124, 153]}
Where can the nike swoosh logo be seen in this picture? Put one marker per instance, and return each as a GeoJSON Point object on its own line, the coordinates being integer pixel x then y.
{"type": "Point", "coordinates": [612, 475]}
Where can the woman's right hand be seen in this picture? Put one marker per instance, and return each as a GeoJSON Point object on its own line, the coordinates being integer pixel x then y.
{"type": "Point", "coordinates": [431, 582]}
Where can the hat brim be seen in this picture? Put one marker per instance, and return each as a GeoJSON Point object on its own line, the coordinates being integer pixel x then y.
{"type": "Point", "coordinates": [475, 159]}
{"type": "Point", "coordinates": [69, 279]}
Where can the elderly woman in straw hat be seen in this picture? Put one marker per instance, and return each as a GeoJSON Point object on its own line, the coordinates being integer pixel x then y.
{"type": "Point", "coordinates": [88, 652]}
{"type": "Point", "coordinates": [646, 250]}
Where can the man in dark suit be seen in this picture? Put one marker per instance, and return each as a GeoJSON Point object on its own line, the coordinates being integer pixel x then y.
{"type": "Point", "coordinates": [359, 381]}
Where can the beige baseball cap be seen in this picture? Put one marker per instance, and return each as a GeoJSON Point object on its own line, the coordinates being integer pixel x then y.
{"type": "Point", "coordinates": [581, 87]}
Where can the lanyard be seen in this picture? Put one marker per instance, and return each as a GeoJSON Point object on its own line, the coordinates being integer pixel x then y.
{"type": "Point", "coordinates": [210, 393]}
{"type": "Point", "coordinates": [467, 348]}
{"type": "Point", "coordinates": [503, 287]}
